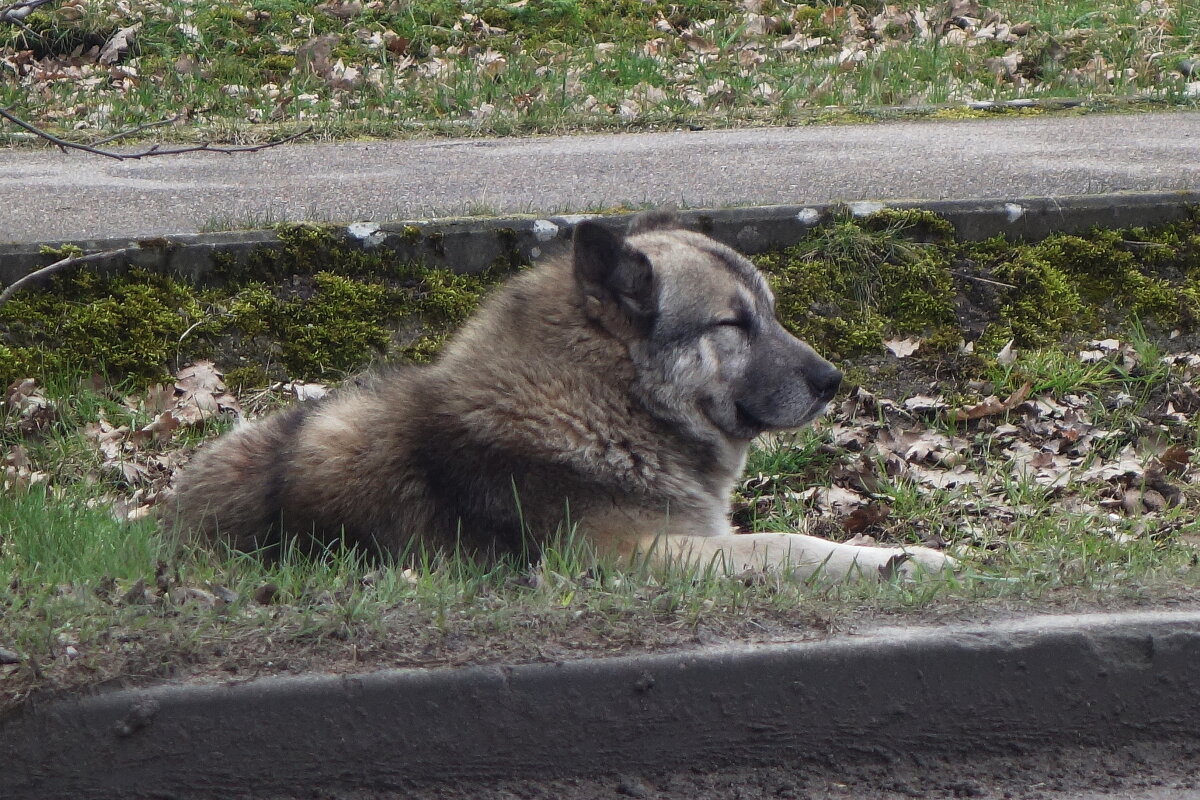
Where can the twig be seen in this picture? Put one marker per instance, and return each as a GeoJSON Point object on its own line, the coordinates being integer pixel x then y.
{"type": "Point", "coordinates": [16, 12]}
{"type": "Point", "coordinates": [156, 150]}
{"type": "Point", "coordinates": [970, 277]}
{"type": "Point", "coordinates": [70, 261]}
{"type": "Point", "coordinates": [131, 131]}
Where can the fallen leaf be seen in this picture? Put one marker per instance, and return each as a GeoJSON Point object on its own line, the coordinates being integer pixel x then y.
{"type": "Point", "coordinates": [923, 403]}
{"type": "Point", "coordinates": [902, 348]}
{"type": "Point", "coordinates": [1175, 460]}
{"type": "Point", "coordinates": [698, 44]}
{"type": "Point", "coordinates": [991, 406]}
{"type": "Point", "coordinates": [864, 517]}
{"type": "Point", "coordinates": [118, 45]}
{"type": "Point", "coordinates": [891, 570]}
{"type": "Point", "coordinates": [1007, 355]}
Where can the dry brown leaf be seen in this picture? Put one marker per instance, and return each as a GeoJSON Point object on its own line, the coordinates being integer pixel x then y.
{"type": "Point", "coordinates": [801, 43]}
{"type": "Point", "coordinates": [160, 429]}
{"type": "Point", "coordinates": [698, 44]}
{"type": "Point", "coordinates": [341, 9]}
{"type": "Point", "coordinates": [315, 54]}
{"type": "Point", "coordinates": [891, 570]}
{"type": "Point", "coordinates": [118, 45]}
{"type": "Point", "coordinates": [865, 517]}
{"type": "Point", "coordinates": [991, 406]}
{"type": "Point", "coordinates": [924, 404]}
{"type": "Point", "coordinates": [28, 406]}
{"type": "Point", "coordinates": [1175, 459]}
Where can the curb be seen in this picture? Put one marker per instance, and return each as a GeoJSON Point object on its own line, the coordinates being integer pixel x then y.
{"type": "Point", "coordinates": [998, 689]}
{"type": "Point", "coordinates": [472, 244]}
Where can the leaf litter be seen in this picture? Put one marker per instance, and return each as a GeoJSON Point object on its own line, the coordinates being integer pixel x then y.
{"type": "Point", "coordinates": [109, 63]}
{"type": "Point", "coordinates": [964, 466]}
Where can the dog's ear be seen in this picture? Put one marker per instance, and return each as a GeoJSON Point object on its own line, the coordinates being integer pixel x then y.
{"type": "Point", "coordinates": [663, 219]}
{"type": "Point", "coordinates": [610, 272]}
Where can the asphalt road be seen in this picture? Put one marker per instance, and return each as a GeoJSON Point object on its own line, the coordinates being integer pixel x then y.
{"type": "Point", "coordinates": [1137, 771]}
{"type": "Point", "coordinates": [48, 195]}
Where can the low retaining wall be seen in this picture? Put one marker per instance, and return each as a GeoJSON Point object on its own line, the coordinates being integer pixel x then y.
{"type": "Point", "coordinates": [473, 244]}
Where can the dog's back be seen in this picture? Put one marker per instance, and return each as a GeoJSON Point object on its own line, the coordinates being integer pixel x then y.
{"type": "Point", "coordinates": [523, 421]}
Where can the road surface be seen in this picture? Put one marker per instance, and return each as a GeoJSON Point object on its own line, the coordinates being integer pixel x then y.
{"type": "Point", "coordinates": [47, 195]}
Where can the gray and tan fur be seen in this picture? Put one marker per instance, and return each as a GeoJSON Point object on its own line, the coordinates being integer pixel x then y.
{"type": "Point", "coordinates": [617, 390]}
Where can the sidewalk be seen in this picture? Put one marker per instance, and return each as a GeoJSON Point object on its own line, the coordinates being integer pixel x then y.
{"type": "Point", "coordinates": [48, 196]}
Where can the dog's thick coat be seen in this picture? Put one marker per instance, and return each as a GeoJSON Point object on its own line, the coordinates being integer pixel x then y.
{"type": "Point", "coordinates": [617, 391]}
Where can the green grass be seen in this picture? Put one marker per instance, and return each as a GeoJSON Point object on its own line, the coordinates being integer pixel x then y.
{"type": "Point", "coordinates": [241, 71]}
{"type": "Point", "coordinates": [74, 579]}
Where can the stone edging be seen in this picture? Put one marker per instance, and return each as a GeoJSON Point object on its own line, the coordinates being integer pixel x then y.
{"type": "Point", "coordinates": [472, 244]}
{"type": "Point", "coordinates": [982, 689]}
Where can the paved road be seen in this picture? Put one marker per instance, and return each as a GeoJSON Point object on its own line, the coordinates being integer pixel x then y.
{"type": "Point", "coordinates": [1144, 771]}
{"type": "Point", "coordinates": [48, 195]}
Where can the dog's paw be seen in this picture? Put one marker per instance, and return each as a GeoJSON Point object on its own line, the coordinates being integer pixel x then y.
{"type": "Point", "coordinates": [915, 562]}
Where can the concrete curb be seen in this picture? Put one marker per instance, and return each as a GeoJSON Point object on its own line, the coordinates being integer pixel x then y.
{"type": "Point", "coordinates": [473, 244]}
{"type": "Point", "coordinates": [1095, 680]}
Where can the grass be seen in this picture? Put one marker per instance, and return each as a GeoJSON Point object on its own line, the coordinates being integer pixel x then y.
{"type": "Point", "coordinates": [243, 71]}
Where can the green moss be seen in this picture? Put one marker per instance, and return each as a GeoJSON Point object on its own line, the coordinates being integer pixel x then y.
{"type": "Point", "coordinates": [127, 325]}
{"type": "Point", "coordinates": [336, 329]}
{"type": "Point", "coordinates": [278, 63]}
{"type": "Point", "coordinates": [318, 307]}
{"type": "Point", "coordinates": [915, 223]}
{"type": "Point", "coordinates": [1071, 282]}
{"type": "Point", "coordinates": [58, 253]}
{"type": "Point", "coordinates": [314, 308]}
{"type": "Point", "coordinates": [1042, 304]}
{"type": "Point", "coordinates": [251, 376]}
{"type": "Point", "coordinates": [852, 282]}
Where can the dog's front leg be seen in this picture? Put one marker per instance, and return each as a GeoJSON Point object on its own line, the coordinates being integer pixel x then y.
{"type": "Point", "coordinates": [804, 556]}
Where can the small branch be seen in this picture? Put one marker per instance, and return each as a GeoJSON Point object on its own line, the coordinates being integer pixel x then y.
{"type": "Point", "coordinates": [57, 266]}
{"type": "Point", "coordinates": [16, 12]}
{"type": "Point", "coordinates": [156, 150]}
{"type": "Point", "coordinates": [132, 131]}
{"type": "Point", "coordinates": [982, 280]}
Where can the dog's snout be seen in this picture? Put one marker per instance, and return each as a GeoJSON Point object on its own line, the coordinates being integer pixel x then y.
{"type": "Point", "coordinates": [825, 382]}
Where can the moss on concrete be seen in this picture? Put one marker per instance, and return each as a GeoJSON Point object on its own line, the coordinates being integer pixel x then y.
{"type": "Point", "coordinates": [1082, 283]}
{"type": "Point", "coordinates": [318, 307]}
{"type": "Point", "coordinates": [853, 282]}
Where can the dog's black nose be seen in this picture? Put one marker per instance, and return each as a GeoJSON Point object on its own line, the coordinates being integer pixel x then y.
{"type": "Point", "coordinates": [825, 382]}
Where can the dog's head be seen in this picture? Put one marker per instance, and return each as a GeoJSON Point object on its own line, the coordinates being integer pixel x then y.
{"type": "Point", "coordinates": [699, 322]}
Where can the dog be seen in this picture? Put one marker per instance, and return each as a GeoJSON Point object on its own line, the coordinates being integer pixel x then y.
{"type": "Point", "coordinates": [614, 391]}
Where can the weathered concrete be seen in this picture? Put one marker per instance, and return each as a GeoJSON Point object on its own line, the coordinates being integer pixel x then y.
{"type": "Point", "coordinates": [967, 690]}
{"type": "Point", "coordinates": [47, 195]}
{"type": "Point", "coordinates": [472, 244]}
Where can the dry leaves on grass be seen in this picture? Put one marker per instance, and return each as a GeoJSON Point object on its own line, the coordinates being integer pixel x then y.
{"type": "Point", "coordinates": [1137, 472]}
{"type": "Point", "coordinates": [139, 459]}
{"type": "Point", "coordinates": [796, 53]}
